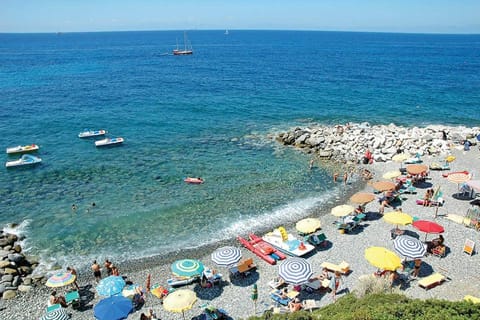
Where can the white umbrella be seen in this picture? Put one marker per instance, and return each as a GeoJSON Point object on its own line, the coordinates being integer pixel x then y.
{"type": "Point", "coordinates": [295, 270]}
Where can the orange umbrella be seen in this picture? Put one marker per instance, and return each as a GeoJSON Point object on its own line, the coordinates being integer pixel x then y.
{"type": "Point", "coordinates": [416, 168]}
{"type": "Point", "coordinates": [383, 185]}
{"type": "Point", "coordinates": [362, 197]}
{"type": "Point", "coordinates": [459, 177]}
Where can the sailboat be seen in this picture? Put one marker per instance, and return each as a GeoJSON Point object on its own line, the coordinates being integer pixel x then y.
{"type": "Point", "coordinates": [186, 49]}
{"type": "Point", "coordinates": [226, 32]}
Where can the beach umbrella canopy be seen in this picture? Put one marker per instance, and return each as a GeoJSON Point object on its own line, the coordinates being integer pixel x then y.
{"type": "Point", "coordinates": [308, 225]}
{"type": "Point", "coordinates": [180, 301]}
{"type": "Point", "coordinates": [409, 247]}
{"type": "Point", "coordinates": [397, 217]}
{"type": "Point", "coordinates": [391, 174]}
{"type": "Point", "coordinates": [57, 314]}
{"type": "Point", "coordinates": [400, 157]}
{"type": "Point", "coordinates": [187, 268]}
{"type": "Point", "coordinates": [60, 279]}
{"type": "Point", "coordinates": [382, 258]}
{"type": "Point", "coordinates": [226, 256]}
{"type": "Point", "coordinates": [383, 185]}
{"type": "Point", "coordinates": [113, 308]}
{"type": "Point", "coordinates": [427, 227]}
{"type": "Point", "coordinates": [110, 286]}
{"type": "Point", "coordinates": [342, 210]}
{"type": "Point", "coordinates": [362, 197]}
{"type": "Point", "coordinates": [416, 168]}
{"type": "Point", "coordinates": [295, 270]}
{"type": "Point", "coordinates": [459, 177]}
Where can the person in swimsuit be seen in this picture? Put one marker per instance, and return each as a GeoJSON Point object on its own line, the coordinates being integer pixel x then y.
{"type": "Point", "coordinates": [97, 273]}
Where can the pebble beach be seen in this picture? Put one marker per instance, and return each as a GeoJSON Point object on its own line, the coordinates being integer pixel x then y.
{"type": "Point", "coordinates": [460, 268]}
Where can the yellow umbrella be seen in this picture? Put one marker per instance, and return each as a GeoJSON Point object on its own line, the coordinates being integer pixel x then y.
{"type": "Point", "coordinates": [342, 210]}
{"type": "Point", "coordinates": [397, 217]}
{"type": "Point", "coordinates": [400, 157]}
{"type": "Point", "coordinates": [308, 225]}
{"type": "Point", "coordinates": [383, 185]}
{"type": "Point", "coordinates": [180, 301]}
{"type": "Point", "coordinates": [382, 258]}
{"type": "Point", "coordinates": [392, 174]}
{"type": "Point", "coordinates": [362, 197]}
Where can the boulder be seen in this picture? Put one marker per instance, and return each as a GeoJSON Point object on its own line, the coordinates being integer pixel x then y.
{"type": "Point", "coordinates": [9, 294]}
{"type": "Point", "coordinates": [24, 288]}
{"type": "Point", "coordinates": [6, 278]}
{"type": "Point", "coordinates": [10, 271]}
{"type": "Point", "coordinates": [5, 263]}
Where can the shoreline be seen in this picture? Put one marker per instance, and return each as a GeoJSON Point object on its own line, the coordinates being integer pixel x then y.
{"type": "Point", "coordinates": [235, 297]}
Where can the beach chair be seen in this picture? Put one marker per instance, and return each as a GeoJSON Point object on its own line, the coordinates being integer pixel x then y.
{"type": "Point", "coordinates": [343, 267]}
{"type": "Point", "coordinates": [53, 307]}
{"type": "Point", "coordinates": [275, 295]}
{"type": "Point", "coordinates": [317, 240]}
{"type": "Point", "coordinates": [431, 281]}
{"type": "Point", "coordinates": [178, 282]}
{"type": "Point", "coordinates": [469, 246]}
{"type": "Point", "coordinates": [243, 268]}
{"type": "Point", "coordinates": [73, 298]}
{"type": "Point", "coordinates": [310, 305]}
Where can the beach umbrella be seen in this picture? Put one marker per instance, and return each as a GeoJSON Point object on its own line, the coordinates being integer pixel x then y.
{"type": "Point", "coordinates": [295, 270]}
{"type": "Point", "coordinates": [226, 256]}
{"type": "Point", "coordinates": [427, 227]}
{"type": "Point", "coordinates": [342, 210]}
{"type": "Point", "coordinates": [459, 177]}
{"type": "Point", "coordinates": [308, 225]}
{"type": "Point", "coordinates": [397, 217]}
{"type": "Point", "coordinates": [391, 174]}
{"type": "Point", "coordinates": [416, 169]}
{"type": "Point", "coordinates": [57, 314]}
{"type": "Point", "coordinates": [382, 258]}
{"type": "Point", "coordinates": [362, 197]}
{"type": "Point", "coordinates": [180, 301]}
{"type": "Point", "coordinates": [110, 286]}
{"type": "Point", "coordinates": [113, 308]}
{"type": "Point", "coordinates": [60, 279]}
{"type": "Point", "coordinates": [187, 268]}
{"type": "Point", "coordinates": [400, 158]}
{"type": "Point", "coordinates": [383, 185]}
{"type": "Point", "coordinates": [254, 297]}
{"type": "Point", "coordinates": [409, 247]}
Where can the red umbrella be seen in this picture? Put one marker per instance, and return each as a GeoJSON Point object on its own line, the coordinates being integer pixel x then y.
{"type": "Point", "coordinates": [428, 227]}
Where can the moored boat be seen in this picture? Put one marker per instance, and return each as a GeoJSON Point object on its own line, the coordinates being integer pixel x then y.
{"type": "Point", "coordinates": [108, 142]}
{"type": "Point", "coordinates": [191, 180]}
{"type": "Point", "coordinates": [261, 248]}
{"type": "Point", "coordinates": [91, 133]}
{"type": "Point", "coordinates": [26, 159]}
{"type": "Point", "coordinates": [23, 149]}
{"type": "Point", "coordinates": [187, 49]}
{"type": "Point", "coordinates": [287, 243]}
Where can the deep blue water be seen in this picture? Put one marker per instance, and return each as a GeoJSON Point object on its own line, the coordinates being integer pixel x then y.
{"type": "Point", "coordinates": [210, 114]}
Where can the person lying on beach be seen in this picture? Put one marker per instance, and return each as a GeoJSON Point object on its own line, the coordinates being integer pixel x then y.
{"type": "Point", "coordinates": [324, 275]}
{"type": "Point", "coordinates": [149, 316]}
{"type": "Point", "coordinates": [295, 305]}
{"type": "Point", "coordinates": [54, 299]}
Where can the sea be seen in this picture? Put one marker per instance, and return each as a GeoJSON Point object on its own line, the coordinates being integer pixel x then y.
{"type": "Point", "coordinates": [213, 114]}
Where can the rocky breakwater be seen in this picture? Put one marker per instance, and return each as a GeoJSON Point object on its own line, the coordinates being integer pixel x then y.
{"type": "Point", "coordinates": [348, 143]}
{"type": "Point", "coordinates": [15, 267]}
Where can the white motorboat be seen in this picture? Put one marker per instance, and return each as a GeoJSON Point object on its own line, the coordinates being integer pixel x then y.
{"type": "Point", "coordinates": [23, 149]}
{"type": "Point", "coordinates": [108, 142]}
{"type": "Point", "coordinates": [25, 160]}
{"type": "Point", "coordinates": [91, 133]}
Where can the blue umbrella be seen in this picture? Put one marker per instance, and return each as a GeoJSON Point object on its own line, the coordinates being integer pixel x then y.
{"type": "Point", "coordinates": [113, 308]}
{"type": "Point", "coordinates": [110, 286]}
{"type": "Point", "coordinates": [187, 268]}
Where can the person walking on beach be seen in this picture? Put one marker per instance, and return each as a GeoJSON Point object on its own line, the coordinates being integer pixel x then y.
{"type": "Point", "coordinates": [97, 273]}
{"type": "Point", "coordinates": [108, 266]}
{"type": "Point", "coordinates": [310, 166]}
{"type": "Point", "coordinates": [345, 177]}
{"type": "Point", "coordinates": [335, 177]}
{"type": "Point", "coordinates": [335, 283]}
{"type": "Point", "coordinates": [73, 272]}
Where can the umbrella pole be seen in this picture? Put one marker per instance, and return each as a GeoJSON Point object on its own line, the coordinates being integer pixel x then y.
{"type": "Point", "coordinates": [183, 314]}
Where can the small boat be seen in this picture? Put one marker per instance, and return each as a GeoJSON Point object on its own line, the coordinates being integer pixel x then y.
{"type": "Point", "coordinates": [287, 243]}
{"type": "Point", "coordinates": [22, 149]}
{"type": "Point", "coordinates": [108, 142]}
{"type": "Point", "coordinates": [262, 249]}
{"type": "Point", "coordinates": [187, 47]}
{"type": "Point", "coordinates": [91, 133]}
{"type": "Point", "coordinates": [191, 180]}
{"type": "Point", "coordinates": [26, 159]}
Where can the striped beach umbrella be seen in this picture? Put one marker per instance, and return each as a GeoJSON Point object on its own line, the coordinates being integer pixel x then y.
{"type": "Point", "coordinates": [226, 256]}
{"type": "Point", "coordinates": [187, 268]}
{"type": "Point", "coordinates": [295, 270]}
{"type": "Point", "coordinates": [60, 279]}
{"type": "Point", "coordinates": [57, 314]}
{"type": "Point", "coordinates": [110, 286]}
{"type": "Point", "coordinates": [409, 247]}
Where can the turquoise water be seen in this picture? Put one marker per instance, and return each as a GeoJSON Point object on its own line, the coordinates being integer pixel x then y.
{"type": "Point", "coordinates": [212, 114]}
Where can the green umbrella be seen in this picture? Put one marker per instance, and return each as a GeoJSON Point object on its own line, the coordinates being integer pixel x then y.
{"type": "Point", "coordinates": [254, 297]}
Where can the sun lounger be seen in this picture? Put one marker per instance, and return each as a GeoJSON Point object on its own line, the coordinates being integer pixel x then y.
{"type": "Point", "coordinates": [431, 281]}
{"type": "Point", "coordinates": [275, 295]}
{"type": "Point", "coordinates": [318, 240]}
{"type": "Point", "coordinates": [243, 268]}
{"type": "Point", "coordinates": [73, 298]}
{"type": "Point", "coordinates": [177, 282]}
{"type": "Point", "coordinates": [310, 305]}
{"type": "Point", "coordinates": [343, 267]}
{"type": "Point", "coordinates": [471, 299]}
{"type": "Point", "coordinates": [53, 307]}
